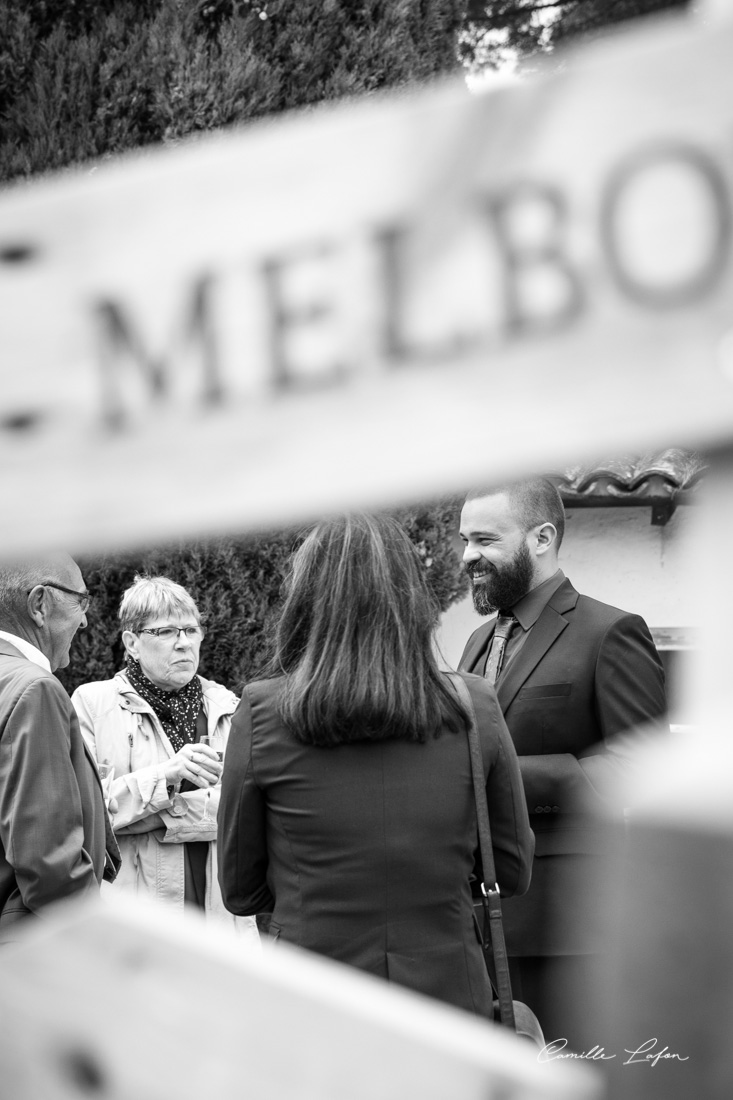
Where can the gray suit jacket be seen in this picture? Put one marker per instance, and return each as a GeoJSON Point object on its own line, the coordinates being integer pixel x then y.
{"type": "Point", "coordinates": [54, 829]}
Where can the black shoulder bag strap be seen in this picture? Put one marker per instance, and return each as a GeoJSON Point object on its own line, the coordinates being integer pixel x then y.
{"type": "Point", "coordinates": [494, 945]}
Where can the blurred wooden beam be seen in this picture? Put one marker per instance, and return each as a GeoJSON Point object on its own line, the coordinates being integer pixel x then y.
{"type": "Point", "coordinates": [131, 1002]}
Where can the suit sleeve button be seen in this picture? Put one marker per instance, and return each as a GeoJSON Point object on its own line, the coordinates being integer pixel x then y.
{"type": "Point", "coordinates": [548, 809]}
{"type": "Point", "coordinates": [556, 809]}
{"type": "Point", "coordinates": [539, 810]}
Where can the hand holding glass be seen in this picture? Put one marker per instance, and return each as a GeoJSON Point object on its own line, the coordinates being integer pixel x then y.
{"type": "Point", "coordinates": [206, 740]}
{"type": "Point", "coordinates": [195, 763]}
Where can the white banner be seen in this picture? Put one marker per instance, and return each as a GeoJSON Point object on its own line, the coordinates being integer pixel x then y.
{"type": "Point", "coordinates": [371, 302]}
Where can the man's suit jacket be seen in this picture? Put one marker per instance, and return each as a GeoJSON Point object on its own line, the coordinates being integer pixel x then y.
{"type": "Point", "coordinates": [587, 673]}
{"type": "Point", "coordinates": [53, 821]}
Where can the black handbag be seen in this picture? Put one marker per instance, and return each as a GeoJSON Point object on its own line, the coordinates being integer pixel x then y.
{"type": "Point", "coordinates": [512, 1014]}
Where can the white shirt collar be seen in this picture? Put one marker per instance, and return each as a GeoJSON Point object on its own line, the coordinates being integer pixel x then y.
{"type": "Point", "coordinates": [27, 649]}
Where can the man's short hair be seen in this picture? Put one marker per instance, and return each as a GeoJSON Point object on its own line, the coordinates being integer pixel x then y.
{"type": "Point", "coordinates": [152, 598]}
{"type": "Point", "coordinates": [535, 500]}
{"type": "Point", "coordinates": [17, 578]}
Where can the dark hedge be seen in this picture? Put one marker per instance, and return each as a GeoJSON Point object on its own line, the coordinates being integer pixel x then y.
{"type": "Point", "coordinates": [83, 79]}
{"type": "Point", "coordinates": [236, 584]}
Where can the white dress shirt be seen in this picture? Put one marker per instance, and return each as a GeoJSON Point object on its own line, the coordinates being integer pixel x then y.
{"type": "Point", "coordinates": [27, 649]}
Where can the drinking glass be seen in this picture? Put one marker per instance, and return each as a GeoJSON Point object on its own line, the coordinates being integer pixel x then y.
{"type": "Point", "coordinates": [206, 740]}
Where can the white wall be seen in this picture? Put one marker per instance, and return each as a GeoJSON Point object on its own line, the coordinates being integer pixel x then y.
{"type": "Point", "coordinates": [615, 555]}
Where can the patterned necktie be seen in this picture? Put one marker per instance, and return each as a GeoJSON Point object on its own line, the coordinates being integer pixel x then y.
{"type": "Point", "coordinates": [504, 624]}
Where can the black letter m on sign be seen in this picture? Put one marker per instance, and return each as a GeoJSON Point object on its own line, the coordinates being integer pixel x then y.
{"type": "Point", "coordinates": [121, 346]}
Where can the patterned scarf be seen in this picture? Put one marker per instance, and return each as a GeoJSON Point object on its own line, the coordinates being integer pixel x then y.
{"type": "Point", "coordinates": [177, 710]}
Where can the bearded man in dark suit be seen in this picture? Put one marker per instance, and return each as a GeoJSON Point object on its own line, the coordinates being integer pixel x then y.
{"type": "Point", "coordinates": [571, 675]}
{"type": "Point", "coordinates": [55, 837]}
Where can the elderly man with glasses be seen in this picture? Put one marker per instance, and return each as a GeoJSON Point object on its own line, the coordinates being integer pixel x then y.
{"type": "Point", "coordinates": [55, 836]}
{"type": "Point", "coordinates": [163, 729]}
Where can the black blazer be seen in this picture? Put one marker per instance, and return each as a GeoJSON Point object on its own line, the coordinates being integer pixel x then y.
{"type": "Point", "coordinates": [364, 852]}
{"type": "Point", "coordinates": [587, 673]}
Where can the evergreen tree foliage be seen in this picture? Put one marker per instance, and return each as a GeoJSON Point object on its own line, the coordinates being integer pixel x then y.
{"type": "Point", "coordinates": [525, 28]}
{"type": "Point", "coordinates": [83, 79]}
{"type": "Point", "coordinates": [236, 584]}
{"type": "Point", "coordinates": [87, 79]}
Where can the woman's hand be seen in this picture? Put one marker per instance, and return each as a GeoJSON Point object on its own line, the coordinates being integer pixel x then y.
{"type": "Point", "coordinates": [197, 763]}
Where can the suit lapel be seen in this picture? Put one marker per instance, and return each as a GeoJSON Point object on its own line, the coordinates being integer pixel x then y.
{"type": "Point", "coordinates": [476, 652]}
{"type": "Point", "coordinates": [543, 634]}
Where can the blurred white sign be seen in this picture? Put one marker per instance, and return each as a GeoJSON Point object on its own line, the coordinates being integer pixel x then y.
{"type": "Point", "coordinates": [382, 300]}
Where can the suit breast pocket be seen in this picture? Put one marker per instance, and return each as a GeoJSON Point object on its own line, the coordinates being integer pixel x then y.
{"type": "Point", "coordinates": [537, 715]}
{"type": "Point", "coordinates": [545, 691]}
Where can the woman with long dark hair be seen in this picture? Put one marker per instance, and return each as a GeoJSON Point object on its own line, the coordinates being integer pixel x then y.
{"type": "Point", "coordinates": [347, 808]}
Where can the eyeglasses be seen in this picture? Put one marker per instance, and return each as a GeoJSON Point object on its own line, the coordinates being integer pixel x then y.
{"type": "Point", "coordinates": [169, 633]}
{"type": "Point", "coordinates": [84, 598]}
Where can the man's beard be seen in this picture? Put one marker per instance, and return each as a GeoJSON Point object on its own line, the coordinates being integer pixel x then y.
{"type": "Point", "coordinates": [504, 586]}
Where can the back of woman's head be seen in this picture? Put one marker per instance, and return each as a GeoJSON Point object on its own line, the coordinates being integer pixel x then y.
{"type": "Point", "coordinates": [355, 638]}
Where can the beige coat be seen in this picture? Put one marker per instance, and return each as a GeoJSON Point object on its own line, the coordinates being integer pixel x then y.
{"type": "Point", "coordinates": [122, 729]}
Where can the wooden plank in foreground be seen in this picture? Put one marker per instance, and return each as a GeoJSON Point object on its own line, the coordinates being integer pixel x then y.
{"type": "Point", "coordinates": [667, 1006]}
{"type": "Point", "coordinates": [131, 1003]}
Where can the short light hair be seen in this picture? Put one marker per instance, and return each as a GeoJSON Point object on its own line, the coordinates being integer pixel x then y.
{"type": "Point", "coordinates": [17, 578]}
{"type": "Point", "coordinates": [154, 597]}
{"type": "Point", "coordinates": [535, 501]}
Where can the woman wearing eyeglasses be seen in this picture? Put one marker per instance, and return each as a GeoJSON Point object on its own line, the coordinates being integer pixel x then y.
{"type": "Point", "coordinates": [151, 722]}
